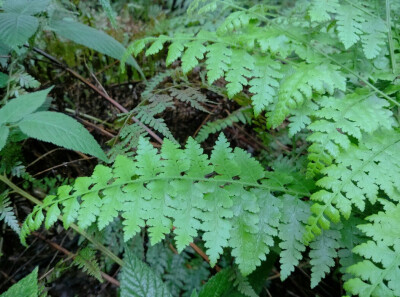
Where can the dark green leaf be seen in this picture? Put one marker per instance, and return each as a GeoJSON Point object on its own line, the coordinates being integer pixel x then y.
{"type": "Point", "coordinates": [92, 38]}
{"type": "Point", "coordinates": [26, 287]}
{"type": "Point", "coordinates": [4, 131]}
{"type": "Point", "coordinates": [61, 130]}
{"type": "Point", "coordinates": [16, 29]}
{"type": "Point", "coordinates": [27, 7]}
{"type": "Point", "coordinates": [139, 280]}
{"type": "Point", "coordinates": [22, 106]}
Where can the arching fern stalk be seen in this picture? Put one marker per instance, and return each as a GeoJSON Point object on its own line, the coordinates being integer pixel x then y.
{"type": "Point", "coordinates": [228, 196]}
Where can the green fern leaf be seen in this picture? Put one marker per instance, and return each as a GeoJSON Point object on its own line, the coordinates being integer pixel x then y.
{"type": "Point", "coordinates": [218, 61]}
{"type": "Point", "coordinates": [297, 87]}
{"type": "Point", "coordinates": [190, 95]}
{"type": "Point", "coordinates": [189, 190]}
{"type": "Point", "coordinates": [242, 115]}
{"type": "Point", "coordinates": [342, 118]}
{"type": "Point", "coordinates": [264, 85]}
{"type": "Point", "coordinates": [157, 45]}
{"type": "Point", "coordinates": [320, 9]}
{"type": "Point", "coordinates": [294, 216]}
{"type": "Point", "coordinates": [351, 236]}
{"type": "Point", "coordinates": [176, 48]}
{"type": "Point", "coordinates": [357, 175]}
{"type": "Point", "coordinates": [86, 260]}
{"type": "Point", "coordinates": [374, 37]}
{"type": "Point", "coordinates": [377, 274]}
{"type": "Point", "coordinates": [7, 214]}
{"type": "Point", "coordinates": [239, 70]}
{"type": "Point", "coordinates": [349, 24]}
{"type": "Point", "coordinates": [139, 280]}
{"type": "Point", "coordinates": [322, 254]}
{"type": "Point", "coordinates": [195, 51]}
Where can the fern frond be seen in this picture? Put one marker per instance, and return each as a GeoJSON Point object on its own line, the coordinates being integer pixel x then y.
{"type": "Point", "coordinates": [338, 119]}
{"type": "Point", "coordinates": [195, 51]}
{"type": "Point", "coordinates": [152, 83]}
{"type": "Point", "coordinates": [242, 115]}
{"type": "Point", "coordinates": [202, 6]}
{"type": "Point", "coordinates": [7, 214]}
{"type": "Point", "coordinates": [349, 24]}
{"type": "Point", "coordinates": [86, 260]}
{"type": "Point", "coordinates": [239, 70]}
{"type": "Point", "coordinates": [186, 189]}
{"type": "Point", "coordinates": [298, 86]}
{"type": "Point", "coordinates": [374, 37]}
{"type": "Point", "coordinates": [358, 174]}
{"type": "Point", "coordinates": [190, 95]}
{"type": "Point", "coordinates": [322, 254]}
{"type": "Point", "coordinates": [264, 84]}
{"type": "Point", "coordinates": [294, 217]}
{"type": "Point", "coordinates": [129, 139]}
{"type": "Point", "coordinates": [377, 274]}
{"type": "Point", "coordinates": [218, 61]}
{"type": "Point", "coordinates": [320, 10]}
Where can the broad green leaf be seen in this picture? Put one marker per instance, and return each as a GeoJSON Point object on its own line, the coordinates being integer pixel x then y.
{"type": "Point", "coordinates": [4, 131]}
{"type": "Point", "coordinates": [3, 80]}
{"type": "Point", "coordinates": [26, 7]}
{"type": "Point", "coordinates": [139, 280]}
{"type": "Point", "coordinates": [16, 29]}
{"type": "Point", "coordinates": [27, 287]}
{"type": "Point", "coordinates": [218, 285]}
{"type": "Point", "coordinates": [92, 38]}
{"type": "Point", "coordinates": [61, 130]}
{"type": "Point", "coordinates": [22, 106]}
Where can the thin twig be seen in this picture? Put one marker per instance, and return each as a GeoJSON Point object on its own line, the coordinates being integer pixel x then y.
{"type": "Point", "coordinates": [70, 254]}
{"type": "Point", "coordinates": [98, 91]}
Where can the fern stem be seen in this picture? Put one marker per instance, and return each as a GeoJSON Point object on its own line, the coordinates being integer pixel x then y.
{"type": "Point", "coordinates": [390, 37]}
{"type": "Point", "coordinates": [36, 201]}
{"type": "Point", "coordinates": [219, 181]}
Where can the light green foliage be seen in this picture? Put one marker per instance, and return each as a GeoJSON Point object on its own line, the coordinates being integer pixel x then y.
{"type": "Point", "coordinates": [378, 273]}
{"type": "Point", "coordinates": [242, 115]}
{"type": "Point", "coordinates": [138, 280]}
{"type": "Point", "coordinates": [338, 119]}
{"type": "Point", "coordinates": [291, 230]}
{"type": "Point", "coordinates": [86, 260]}
{"type": "Point", "coordinates": [299, 84]}
{"type": "Point", "coordinates": [357, 175]}
{"type": "Point", "coordinates": [322, 254]}
{"type": "Point", "coordinates": [218, 285]}
{"type": "Point", "coordinates": [172, 188]}
{"type": "Point", "coordinates": [355, 22]}
{"type": "Point", "coordinates": [7, 214]}
{"type": "Point", "coordinates": [28, 286]}
{"type": "Point", "coordinates": [264, 85]}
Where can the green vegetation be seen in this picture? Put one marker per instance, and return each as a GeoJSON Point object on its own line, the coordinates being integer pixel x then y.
{"type": "Point", "coordinates": [223, 145]}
